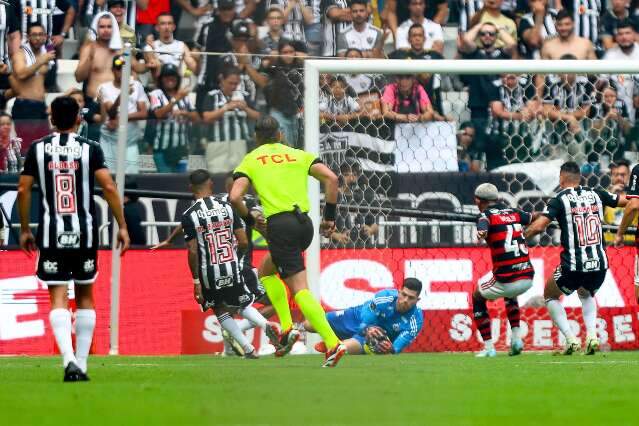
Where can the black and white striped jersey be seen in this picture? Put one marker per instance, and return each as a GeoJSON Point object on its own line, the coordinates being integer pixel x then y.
{"type": "Point", "coordinates": [212, 223]}
{"type": "Point", "coordinates": [8, 24]}
{"type": "Point", "coordinates": [294, 26]}
{"type": "Point", "coordinates": [568, 97]}
{"type": "Point", "coordinates": [64, 167]}
{"type": "Point", "coordinates": [587, 14]}
{"type": "Point", "coordinates": [246, 258]}
{"type": "Point", "coordinates": [580, 213]}
{"type": "Point", "coordinates": [233, 125]}
{"type": "Point", "coordinates": [48, 13]}
{"type": "Point", "coordinates": [172, 131]}
{"type": "Point", "coordinates": [332, 29]}
{"type": "Point", "coordinates": [547, 30]}
{"type": "Point", "coordinates": [467, 9]}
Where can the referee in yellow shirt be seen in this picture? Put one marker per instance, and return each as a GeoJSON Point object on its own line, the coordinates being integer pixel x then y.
{"type": "Point", "coordinates": [279, 175]}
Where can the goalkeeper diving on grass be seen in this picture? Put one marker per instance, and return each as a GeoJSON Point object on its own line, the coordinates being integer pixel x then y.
{"type": "Point", "coordinates": [386, 324]}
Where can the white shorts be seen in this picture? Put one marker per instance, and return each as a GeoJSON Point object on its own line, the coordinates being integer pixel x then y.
{"type": "Point", "coordinates": [493, 289]}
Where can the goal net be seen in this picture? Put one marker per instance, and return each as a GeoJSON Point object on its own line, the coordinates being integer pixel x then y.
{"type": "Point", "coordinates": [411, 140]}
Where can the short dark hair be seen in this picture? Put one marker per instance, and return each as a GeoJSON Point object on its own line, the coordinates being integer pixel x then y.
{"type": "Point", "coordinates": [354, 49]}
{"type": "Point", "coordinates": [64, 112]}
{"type": "Point", "coordinates": [285, 42]}
{"type": "Point", "coordinates": [33, 25]}
{"type": "Point", "coordinates": [361, 2]}
{"type": "Point", "coordinates": [266, 129]}
{"type": "Point", "coordinates": [568, 56]}
{"type": "Point", "coordinates": [618, 163]}
{"type": "Point", "coordinates": [413, 284]}
{"type": "Point", "coordinates": [229, 70]}
{"type": "Point", "coordinates": [570, 167]}
{"type": "Point", "coordinates": [199, 177]}
{"type": "Point", "coordinates": [562, 14]}
{"type": "Point", "coordinates": [415, 27]}
{"type": "Point", "coordinates": [624, 23]}
{"type": "Point", "coordinates": [164, 14]}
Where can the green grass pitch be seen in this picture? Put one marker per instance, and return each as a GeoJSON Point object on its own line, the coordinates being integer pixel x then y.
{"type": "Point", "coordinates": [420, 389]}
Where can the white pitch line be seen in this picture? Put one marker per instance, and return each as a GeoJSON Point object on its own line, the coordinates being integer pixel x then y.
{"type": "Point", "coordinates": [634, 362]}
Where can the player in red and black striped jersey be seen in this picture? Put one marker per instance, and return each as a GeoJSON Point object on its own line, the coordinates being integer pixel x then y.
{"type": "Point", "coordinates": [502, 228]}
{"type": "Point", "coordinates": [629, 215]}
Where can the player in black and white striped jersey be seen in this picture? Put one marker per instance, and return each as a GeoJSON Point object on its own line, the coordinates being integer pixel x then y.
{"type": "Point", "coordinates": [65, 166]}
{"type": "Point", "coordinates": [579, 211]}
{"type": "Point", "coordinates": [213, 231]}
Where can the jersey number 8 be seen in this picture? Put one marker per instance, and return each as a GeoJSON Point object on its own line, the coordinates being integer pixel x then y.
{"type": "Point", "coordinates": [65, 193]}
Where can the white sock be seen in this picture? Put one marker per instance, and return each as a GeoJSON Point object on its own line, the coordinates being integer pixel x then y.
{"type": "Point", "coordinates": [488, 344]}
{"type": "Point", "coordinates": [558, 315]}
{"type": "Point", "coordinates": [84, 326]}
{"type": "Point", "coordinates": [514, 333]}
{"type": "Point", "coordinates": [60, 320]}
{"type": "Point", "coordinates": [228, 323]}
{"type": "Point", "coordinates": [589, 312]}
{"type": "Point", "coordinates": [245, 324]}
{"type": "Point", "coordinates": [253, 315]}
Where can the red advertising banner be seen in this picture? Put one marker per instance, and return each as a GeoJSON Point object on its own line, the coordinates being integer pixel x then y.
{"type": "Point", "coordinates": [158, 314]}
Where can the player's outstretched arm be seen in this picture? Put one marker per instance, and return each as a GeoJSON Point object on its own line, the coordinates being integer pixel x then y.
{"type": "Point", "coordinates": [110, 193]}
{"type": "Point", "coordinates": [242, 239]}
{"type": "Point", "coordinates": [25, 184]}
{"type": "Point", "coordinates": [629, 215]}
{"type": "Point", "coordinates": [169, 240]}
{"type": "Point", "coordinates": [191, 246]}
{"type": "Point", "coordinates": [537, 227]}
{"type": "Point", "coordinates": [329, 180]}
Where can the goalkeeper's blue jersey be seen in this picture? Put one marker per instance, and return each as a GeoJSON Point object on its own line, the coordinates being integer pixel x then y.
{"type": "Point", "coordinates": [401, 328]}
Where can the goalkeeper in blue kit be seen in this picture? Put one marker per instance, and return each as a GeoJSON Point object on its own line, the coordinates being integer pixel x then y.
{"type": "Point", "coordinates": [386, 324]}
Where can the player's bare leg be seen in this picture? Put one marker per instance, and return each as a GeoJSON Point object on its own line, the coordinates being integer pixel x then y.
{"type": "Point", "coordinates": [589, 313]}
{"type": "Point", "coordinates": [482, 322]}
{"type": "Point", "coordinates": [60, 320]}
{"type": "Point", "coordinates": [552, 294]}
{"type": "Point", "coordinates": [512, 311]}
{"type": "Point", "coordinates": [84, 325]}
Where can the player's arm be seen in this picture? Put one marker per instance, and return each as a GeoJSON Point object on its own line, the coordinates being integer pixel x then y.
{"type": "Point", "coordinates": [169, 240]}
{"type": "Point", "coordinates": [236, 196]}
{"type": "Point", "coordinates": [240, 233]}
{"type": "Point", "coordinates": [191, 246]}
{"type": "Point", "coordinates": [110, 194]}
{"type": "Point", "coordinates": [409, 333]}
{"type": "Point", "coordinates": [330, 183]}
{"type": "Point", "coordinates": [552, 211]}
{"type": "Point", "coordinates": [25, 184]}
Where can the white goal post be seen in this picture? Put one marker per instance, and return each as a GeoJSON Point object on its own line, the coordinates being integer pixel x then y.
{"type": "Point", "coordinates": [313, 68]}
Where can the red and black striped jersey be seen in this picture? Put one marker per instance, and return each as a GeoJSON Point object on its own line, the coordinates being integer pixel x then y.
{"type": "Point", "coordinates": [505, 238]}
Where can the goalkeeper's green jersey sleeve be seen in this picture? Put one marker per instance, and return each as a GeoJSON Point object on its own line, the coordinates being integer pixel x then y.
{"type": "Point", "coordinates": [279, 175]}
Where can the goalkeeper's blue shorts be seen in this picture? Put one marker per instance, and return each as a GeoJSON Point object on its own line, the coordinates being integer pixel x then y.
{"type": "Point", "coordinates": [345, 324]}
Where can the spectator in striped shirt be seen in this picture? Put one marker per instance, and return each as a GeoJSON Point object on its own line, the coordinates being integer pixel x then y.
{"type": "Point", "coordinates": [337, 17]}
{"type": "Point", "coordinates": [171, 114]}
{"type": "Point", "coordinates": [338, 109]}
{"type": "Point", "coordinates": [296, 14]}
{"type": "Point", "coordinates": [226, 112]}
{"type": "Point", "coordinates": [535, 27]}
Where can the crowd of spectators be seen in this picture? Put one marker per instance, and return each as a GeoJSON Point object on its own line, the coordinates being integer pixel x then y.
{"type": "Point", "coordinates": [182, 103]}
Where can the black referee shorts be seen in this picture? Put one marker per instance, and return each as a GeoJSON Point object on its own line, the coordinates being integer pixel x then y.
{"type": "Point", "coordinates": [289, 234]}
{"type": "Point", "coordinates": [569, 281]}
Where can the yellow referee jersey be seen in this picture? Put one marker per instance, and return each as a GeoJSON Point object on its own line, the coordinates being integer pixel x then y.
{"type": "Point", "coordinates": [279, 175]}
